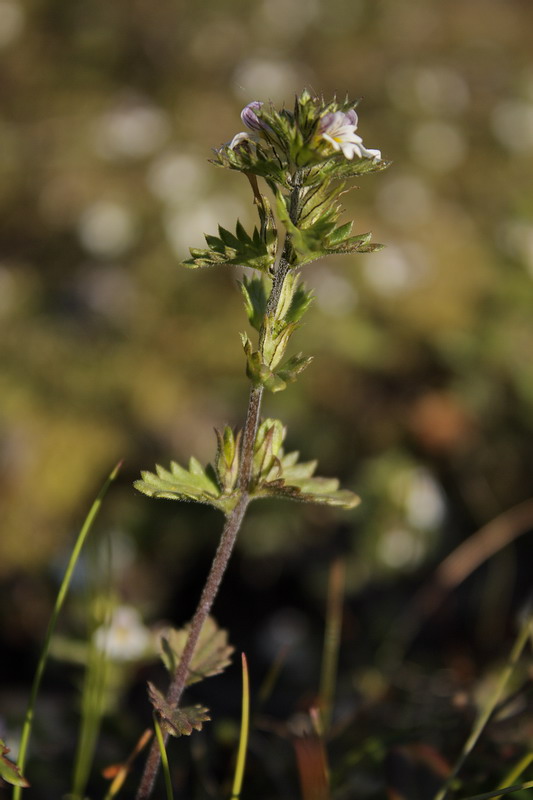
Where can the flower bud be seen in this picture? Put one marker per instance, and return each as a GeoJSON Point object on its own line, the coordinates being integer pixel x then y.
{"type": "Point", "coordinates": [250, 118]}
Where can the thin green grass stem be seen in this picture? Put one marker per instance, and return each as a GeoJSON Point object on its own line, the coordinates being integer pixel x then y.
{"type": "Point", "coordinates": [332, 636]}
{"type": "Point", "coordinates": [92, 707]}
{"type": "Point", "coordinates": [499, 792]}
{"type": "Point", "coordinates": [60, 599]}
{"type": "Point", "coordinates": [267, 687]}
{"type": "Point", "coordinates": [95, 684]}
{"type": "Point", "coordinates": [245, 729]}
{"type": "Point", "coordinates": [164, 759]}
{"type": "Point", "coordinates": [515, 772]}
{"type": "Point", "coordinates": [525, 632]}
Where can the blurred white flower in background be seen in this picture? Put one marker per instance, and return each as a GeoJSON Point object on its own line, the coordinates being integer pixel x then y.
{"type": "Point", "coordinates": [441, 90]}
{"type": "Point", "coordinates": [405, 200]}
{"type": "Point", "coordinates": [435, 89]}
{"type": "Point", "coordinates": [12, 20]}
{"type": "Point", "coordinates": [424, 501]}
{"type": "Point", "coordinates": [106, 229]}
{"type": "Point", "coordinates": [185, 227]}
{"type": "Point", "coordinates": [108, 290]}
{"type": "Point", "coordinates": [516, 237]}
{"type": "Point", "coordinates": [285, 19]}
{"type": "Point", "coordinates": [422, 508]}
{"type": "Point", "coordinates": [132, 131]}
{"type": "Point", "coordinates": [274, 79]}
{"type": "Point", "coordinates": [125, 638]}
{"type": "Point", "coordinates": [512, 124]}
{"type": "Point", "coordinates": [177, 177]}
{"type": "Point", "coordinates": [334, 294]}
{"type": "Point", "coordinates": [438, 146]}
{"type": "Point", "coordinates": [397, 269]}
{"type": "Point", "coordinates": [400, 548]}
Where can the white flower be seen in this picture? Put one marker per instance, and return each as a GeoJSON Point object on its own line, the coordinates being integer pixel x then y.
{"type": "Point", "coordinates": [338, 129]}
{"type": "Point", "coordinates": [239, 139]}
{"type": "Point", "coordinates": [125, 638]}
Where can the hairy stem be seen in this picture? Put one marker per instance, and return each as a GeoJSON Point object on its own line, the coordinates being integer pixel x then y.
{"type": "Point", "coordinates": [229, 533]}
{"type": "Point", "coordinates": [179, 679]}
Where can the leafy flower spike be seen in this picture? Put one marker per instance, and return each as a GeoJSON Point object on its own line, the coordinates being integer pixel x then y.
{"type": "Point", "coordinates": [338, 130]}
{"type": "Point", "coordinates": [305, 156]}
{"type": "Point", "coordinates": [303, 145]}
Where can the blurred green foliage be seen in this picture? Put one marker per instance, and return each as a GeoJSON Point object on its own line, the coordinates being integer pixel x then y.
{"type": "Point", "coordinates": [421, 392]}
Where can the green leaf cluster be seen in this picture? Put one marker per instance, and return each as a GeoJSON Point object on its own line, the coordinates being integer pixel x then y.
{"type": "Point", "coordinates": [280, 474]}
{"type": "Point", "coordinates": [264, 365]}
{"type": "Point", "coordinates": [316, 232]}
{"type": "Point", "coordinates": [274, 474]}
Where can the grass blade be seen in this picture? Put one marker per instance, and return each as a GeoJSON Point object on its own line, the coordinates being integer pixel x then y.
{"type": "Point", "coordinates": [95, 683]}
{"type": "Point", "coordinates": [60, 599]}
{"type": "Point", "coordinates": [504, 790]}
{"type": "Point", "coordinates": [525, 632]}
{"type": "Point", "coordinates": [332, 636]}
{"type": "Point", "coordinates": [164, 760]}
{"type": "Point", "coordinates": [245, 728]}
{"type": "Point", "coordinates": [267, 687]}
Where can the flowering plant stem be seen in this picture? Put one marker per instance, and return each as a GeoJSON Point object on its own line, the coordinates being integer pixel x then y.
{"type": "Point", "coordinates": [304, 157]}
{"type": "Point", "coordinates": [227, 540]}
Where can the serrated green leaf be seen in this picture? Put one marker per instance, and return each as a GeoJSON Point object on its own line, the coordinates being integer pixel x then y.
{"type": "Point", "coordinates": [289, 459]}
{"type": "Point", "coordinates": [322, 495]}
{"type": "Point", "coordinates": [214, 243]}
{"type": "Point", "coordinates": [255, 291]}
{"type": "Point", "coordinates": [239, 249]}
{"type": "Point", "coordinates": [341, 233]}
{"type": "Point", "coordinates": [274, 383]}
{"type": "Point", "coordinates": [276, 474]}
{"type": "Point", "coordinates": [290, 370]}
{"type": "Point", "coordinates": [212, 653]}
{"type": "Point", "coordinates": [227, 458]}
{"type": "Point", "coordinates": [178, 721]}
{"type": "Point", "coordinates": [298, 471]}
{"type": "Point", "coordinates": [308, 242]}
{"type": "Point", "coordinates": [268, 441]}
{"type": "Point", "coordinates": [229, 239]}
{"type": "Point", "coordinates": [301, 301]}
{"type": "Point", "coordinates": [195, 484]}
{"type": "Point", "coordinates": [276, 338]}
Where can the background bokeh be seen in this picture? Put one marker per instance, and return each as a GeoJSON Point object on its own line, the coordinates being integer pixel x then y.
{"type": "Point", "coordinates": [421, 393]}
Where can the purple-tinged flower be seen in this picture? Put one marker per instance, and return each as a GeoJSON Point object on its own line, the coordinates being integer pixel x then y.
{"type": "Point", "coordinates": [338, 129]}
{"type": "Point", "coordinates": [250, 118]}
{"type": "Point", "coordinates": [253, 122]}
